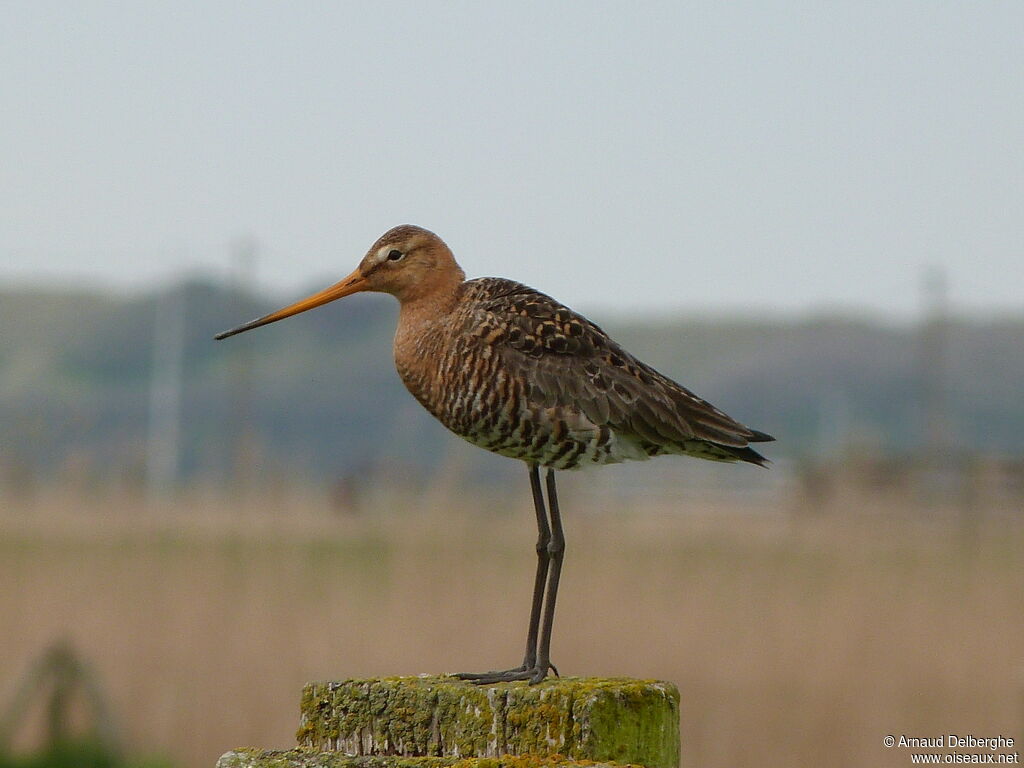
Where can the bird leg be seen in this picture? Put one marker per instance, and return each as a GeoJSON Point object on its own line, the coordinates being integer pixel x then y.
{"type": "Point", "coordinates": [556, 551]}
{"type": "Point", "coordinates": [530, 669]}
{"type": "Point", "coordinates": [543, 559]}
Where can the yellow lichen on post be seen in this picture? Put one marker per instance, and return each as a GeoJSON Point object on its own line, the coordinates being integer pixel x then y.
{"type": "Point", "coordinates": [576, 719]}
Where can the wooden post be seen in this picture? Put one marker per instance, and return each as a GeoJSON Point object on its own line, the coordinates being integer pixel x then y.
{"type": "Point", "coordinates": [434, 722]}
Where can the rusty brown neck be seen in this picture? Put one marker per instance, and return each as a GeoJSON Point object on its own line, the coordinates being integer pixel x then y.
{"type": "Point", "coordinates": [424, 327]}
{"type": "Point", "coordinates": [430, 300]}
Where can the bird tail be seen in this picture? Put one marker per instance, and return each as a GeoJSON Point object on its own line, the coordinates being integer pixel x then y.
{"type": "Point", "coordinates": [747, 453]}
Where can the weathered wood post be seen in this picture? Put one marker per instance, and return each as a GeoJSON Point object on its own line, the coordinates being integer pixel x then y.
{"type": "Point", "coordinates": [435, 722]}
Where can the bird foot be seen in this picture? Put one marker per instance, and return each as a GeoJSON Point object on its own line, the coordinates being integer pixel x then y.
{"type": "Point", "coordinates": [533, 674]}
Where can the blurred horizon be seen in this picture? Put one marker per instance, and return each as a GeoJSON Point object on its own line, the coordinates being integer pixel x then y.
{"type": "Point", "coordinates": [131, 391]}
{"type": "Point", "coordinates": [913, 311]}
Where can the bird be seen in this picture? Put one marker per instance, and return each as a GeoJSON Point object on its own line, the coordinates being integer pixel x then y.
{"type": "Point", "coordinates": [513, 371]}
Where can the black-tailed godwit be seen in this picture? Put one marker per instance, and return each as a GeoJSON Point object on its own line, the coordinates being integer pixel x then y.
{"type": "Point", "coordinates": [511, 370]}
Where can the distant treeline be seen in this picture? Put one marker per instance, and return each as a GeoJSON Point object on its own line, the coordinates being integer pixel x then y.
{"type": "Point", "coordinates": [317, 396]}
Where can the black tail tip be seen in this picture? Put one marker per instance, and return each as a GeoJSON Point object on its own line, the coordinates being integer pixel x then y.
{"type": "Point", "coordinates": [748, 455]}
{"type": "Point", "coordinates": [760, 437]}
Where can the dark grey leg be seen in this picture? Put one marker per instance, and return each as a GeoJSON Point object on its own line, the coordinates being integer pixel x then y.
{"type": "Point", "coordinates": [556, 551]}
{"type": "Point", "coordinates": [531, 669]}
{"type": "Point", "coordinates": [543, 559]}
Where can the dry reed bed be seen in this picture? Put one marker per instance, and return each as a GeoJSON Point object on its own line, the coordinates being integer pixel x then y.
{"type": "Point", "coordinates": [794, 643]}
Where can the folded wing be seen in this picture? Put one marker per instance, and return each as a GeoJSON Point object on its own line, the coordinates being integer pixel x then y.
{"type": "Point", "coordinates": [566, 360]}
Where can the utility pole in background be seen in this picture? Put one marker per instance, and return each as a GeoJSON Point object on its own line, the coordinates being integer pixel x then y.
{"type": "Point", "coordinates": [933, 374]}
{"type": "Point", "coordinates": [949, 475]}
{"type": "Point", "coordinates": [242, 444]}
{"type": "Point", "coordinates": [162, 449]}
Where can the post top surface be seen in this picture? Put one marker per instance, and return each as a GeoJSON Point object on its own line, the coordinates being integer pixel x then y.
{"type": "Point", "coordinates": [579, 683]}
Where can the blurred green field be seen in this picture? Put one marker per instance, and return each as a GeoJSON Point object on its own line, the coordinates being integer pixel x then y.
{"type": "Point", "coordinates": [796, 642]}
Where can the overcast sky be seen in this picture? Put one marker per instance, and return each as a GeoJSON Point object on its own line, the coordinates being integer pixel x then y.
{"type": "Point", "coordinates": [670, 156]}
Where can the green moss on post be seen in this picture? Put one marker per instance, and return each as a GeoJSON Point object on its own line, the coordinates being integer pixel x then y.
{"type": "Point", "coordinates": [620, 720]}
{"type": "Point", "coordinates": [311, 758]}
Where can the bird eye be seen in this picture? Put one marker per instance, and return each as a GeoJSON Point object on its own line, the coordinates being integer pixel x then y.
{"type": "Point", "coordinates": [395, 255]}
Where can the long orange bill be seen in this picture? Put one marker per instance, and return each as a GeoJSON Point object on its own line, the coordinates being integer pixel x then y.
{"type": "Point", "coordinates": [351, 284]}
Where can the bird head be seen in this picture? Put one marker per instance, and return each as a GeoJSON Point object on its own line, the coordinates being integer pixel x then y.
{"type": "Point", "coordinates": [408, 262]}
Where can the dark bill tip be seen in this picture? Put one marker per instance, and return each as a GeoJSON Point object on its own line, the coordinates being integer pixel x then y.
{"type": "Point", "coordinates": [238, 329]}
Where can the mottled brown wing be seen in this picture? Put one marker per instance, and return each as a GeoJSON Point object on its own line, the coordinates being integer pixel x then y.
{"type": "Point", "coordinates": [566, 360]}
